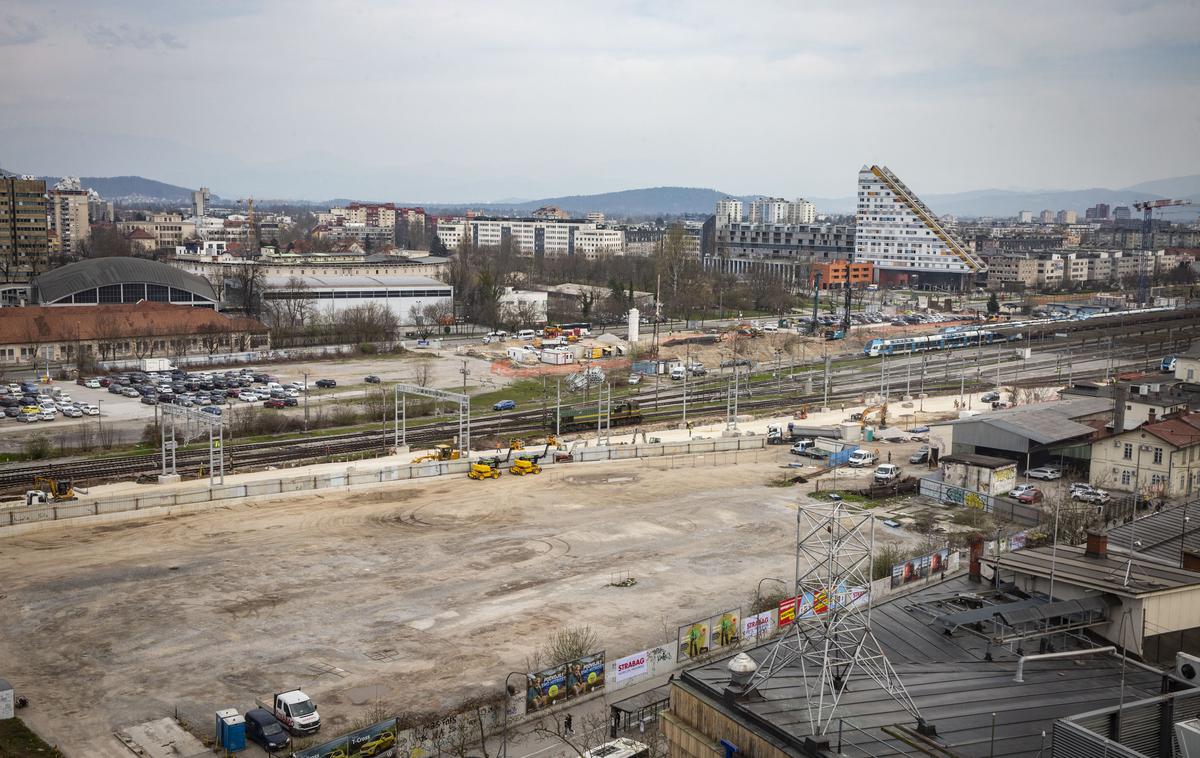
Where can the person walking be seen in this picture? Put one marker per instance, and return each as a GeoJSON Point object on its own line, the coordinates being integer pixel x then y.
{"type": "Point", "coordinates": [569, 725]}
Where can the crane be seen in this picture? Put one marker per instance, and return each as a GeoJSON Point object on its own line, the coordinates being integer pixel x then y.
{"type": "Point", "coordinates": [1147, 207]}
{"type": "Point", "coordinates": [251, 233]}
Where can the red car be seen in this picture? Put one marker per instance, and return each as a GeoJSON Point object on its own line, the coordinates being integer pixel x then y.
{"type": "Point", "coordinates": [1030, 496]}
{"type": "Point", "coordinates": [274, 403]}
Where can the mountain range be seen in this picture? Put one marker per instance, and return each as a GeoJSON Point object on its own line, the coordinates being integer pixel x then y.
{"type": "Point", "coordinates": [673, 201]}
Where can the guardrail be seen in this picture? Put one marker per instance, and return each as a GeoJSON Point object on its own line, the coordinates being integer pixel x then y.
{"type": "Point", "coordinates": [352, 478]}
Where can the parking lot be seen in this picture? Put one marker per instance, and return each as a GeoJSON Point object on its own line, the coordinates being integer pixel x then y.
{"type": "Point", "coordinates": [414, 593]}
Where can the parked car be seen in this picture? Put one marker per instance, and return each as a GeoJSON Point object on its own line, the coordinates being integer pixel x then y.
{"type": "Point", "coordinates": [89, 409]}
{"type": "Point", "coordinates": [1077, 487]}
{"type": "Point", "coordinates": [921, 456]}
{"type": "Point", "coordinates": [149, 400]}
{"type": "Point", "coordinates": [635, 378]}
{"type": "Point", "coordinates": [1044, 472]}
{"type": "Point", "coordinates": [12, 411]}
{"type": "Point", "coordinates": [262, 727]}
{"type": "Point", "coordinates": [326, 383]}
{"type": "Point", "coordinates": [1029, 496]}
{"type": "Point", "coordinates": [802, 447]}
{"type": "Point", "coordinates": [1092, 495]}
{"type": "Point", "coordinates": [72, 412]}
{"type": "Point", "coordinates": [248, 397]}
{"type": "Point", "coordinates": [130, 392]}
{"type": "Point", "coordinates": [212, 410]}
{"type": "Point", "coordinates": [46, 415]}
{"type": "Point", "coordinates": [887, 473]}
{"type": "Point", "coordinates": [274, 402]}
{"type": "Point", "coordinates": [990, 397]}
{"type": "Point", "coordinates": [372, 379]}
{"type": "Point", "coordinates": [93, 384]}
{"type": "Point", "coordinates": [1020, 489]}
{"type": "Point", "coordinates": [505, 405]}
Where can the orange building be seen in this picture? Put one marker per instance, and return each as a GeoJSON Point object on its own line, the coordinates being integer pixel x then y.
{"type": "Point", "coordinates": [842, 274]}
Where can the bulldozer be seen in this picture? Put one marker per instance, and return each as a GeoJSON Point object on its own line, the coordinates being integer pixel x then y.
{"type": "Point", "coordinates": [50, 490]}
{"type": "Point", "coordinates": [439, 453]}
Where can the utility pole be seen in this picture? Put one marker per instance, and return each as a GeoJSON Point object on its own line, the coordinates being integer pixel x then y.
{"type": "Point", "coordinates": [687, 369]}
{"type": "Point", "coordinates": [465, 373]}
{"type": "Point", "coordinates": [306, 401]}
{"type": "Point", "coordinates": [558, 406]}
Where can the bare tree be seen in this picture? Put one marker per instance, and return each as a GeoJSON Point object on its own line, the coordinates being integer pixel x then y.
{"type": "Point", "coordinates": [250, 280]}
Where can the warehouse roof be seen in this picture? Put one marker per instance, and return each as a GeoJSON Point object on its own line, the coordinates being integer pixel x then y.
{"type": "Point", "coordinates": [983, 461]}
{"type": "Point", "coordinates": [951, 684]}
{"type": "Point", "coordinates": [40, 324]}
{"type": "Point", "coordinates": [1160, 533]}
{"type": "Point", "coordinates": [1106, 574]}
{"type": "Point", "coordinates": [99, 272]}
{"type": "Point", "coordinates": [1043, 423]}
{"type": "Point", "coordinates": [354, 282]}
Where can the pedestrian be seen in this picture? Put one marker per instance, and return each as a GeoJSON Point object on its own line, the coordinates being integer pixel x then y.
{"type": "Point", "coordinates": [568, 725]}
{"type": "Point", "coordinates": [889, 456]}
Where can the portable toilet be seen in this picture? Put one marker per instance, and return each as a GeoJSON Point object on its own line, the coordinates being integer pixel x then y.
{"type": "Point", "coordinates": [233, 732]}
{"type": "Point", "coordinates": [219, 728]}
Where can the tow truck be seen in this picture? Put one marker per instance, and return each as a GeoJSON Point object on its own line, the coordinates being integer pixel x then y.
{"type": "Point", "coordinates": [295, 710]}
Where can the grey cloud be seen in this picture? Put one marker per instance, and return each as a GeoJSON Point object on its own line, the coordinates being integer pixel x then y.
{"type": "Point", "coordinates": [109, 37]}
{"type": "Point", "coordinates": [18, 31]}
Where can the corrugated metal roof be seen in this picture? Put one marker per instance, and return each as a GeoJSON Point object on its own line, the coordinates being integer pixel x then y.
{"type": "Point", "coordinates": [383, 281]}
{"type": "Point", "coordinates": [1160, 533]}
{"type": "Point", "coordinates": [1044, 423]}
{"type": "Point", "coordinates": [99, 272]}
{"type": "Point", "coordinates": [1105, 574]}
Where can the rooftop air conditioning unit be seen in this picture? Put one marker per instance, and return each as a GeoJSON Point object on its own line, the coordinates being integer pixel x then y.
{"type": "Point", "coordinates": [1187, 668]}
{"type": "Point", "coordinates": [1187, 734]}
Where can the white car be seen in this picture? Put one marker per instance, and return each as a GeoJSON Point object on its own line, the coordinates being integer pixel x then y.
{"type": "Point", "coordinates": [291, 392]}
{"type": "Point", "coordinates": [1044, 472]}
{"type": "Point", "coordinates": [92, 384]}
{"type": "Point", "coordinates": [1020, 489]}
{"type": "Point", "coordinates": [62, 407]}
{"type": "Point", "coordinates": [71, 411]}
{"type": "Point", "coordinates": [248, 397]}
{"type": "Point", "coordinates": [88, 409]}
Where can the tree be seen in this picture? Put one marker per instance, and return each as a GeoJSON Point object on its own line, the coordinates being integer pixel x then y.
{"type": "Point", "coordinates": [106, 241]}
{"type": "Point", "coordinates": [250, 279]}
{"type": "Point", "coordinates": [291, 305]}
{"type": "Point", "coordinates": [993, 304]}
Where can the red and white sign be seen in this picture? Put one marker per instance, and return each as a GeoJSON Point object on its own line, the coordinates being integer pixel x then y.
{"type": "Point", "coordinates": [632, 666]}
{"type": "Point", "coordinates": [757, 626]}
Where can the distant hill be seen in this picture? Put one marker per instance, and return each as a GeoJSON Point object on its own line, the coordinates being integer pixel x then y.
{"type": "Point", "coordinates": [130, 188]}
{"type": "Point", "coordinates": [650, 201]}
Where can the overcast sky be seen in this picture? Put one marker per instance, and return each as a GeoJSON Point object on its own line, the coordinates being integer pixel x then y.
{"type": "Point", "coordinates": [466, 101]}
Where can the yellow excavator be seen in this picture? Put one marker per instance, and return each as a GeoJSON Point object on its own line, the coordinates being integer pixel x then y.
{"type": "Point", "coordinates": [880, 409]}
{"type": "Point", "coordinates": [488, 468]}
{"type": "Point", "coordinates": [50, 490]}
{"type": "Point", "coordinates": [439, 453]}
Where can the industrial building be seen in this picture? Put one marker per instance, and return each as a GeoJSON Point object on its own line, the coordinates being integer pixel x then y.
{"type": "Point", "coordinates": [103, 281]}
{"type": "Point", "coordinates": [904, 239]}
{"type": "Point", "coordinates": [404, 296]}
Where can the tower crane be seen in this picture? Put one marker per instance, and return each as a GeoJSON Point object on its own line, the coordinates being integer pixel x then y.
{"type": "Point", "coordinates": [250, 228]}
{"type": "Point", "coordinates": [1147, 207]}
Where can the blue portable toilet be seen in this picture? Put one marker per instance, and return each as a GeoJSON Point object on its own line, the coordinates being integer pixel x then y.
{"type": "Point", "coordinates": [218, 728]}
{"type": "Point", "coordinates": [233, 732]}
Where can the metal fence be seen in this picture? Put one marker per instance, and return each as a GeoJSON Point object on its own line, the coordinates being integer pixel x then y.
{"type": "Point", "coordinates": [701, 452]}
{"type": "Point", "coordinates": [1006, 509]}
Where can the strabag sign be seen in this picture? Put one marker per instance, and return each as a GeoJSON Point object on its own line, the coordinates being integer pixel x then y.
{"type": "Point", "coordinates": [632, 666]}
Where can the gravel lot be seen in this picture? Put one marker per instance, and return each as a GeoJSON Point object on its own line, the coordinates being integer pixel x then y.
{"type": "Point", "coordinates": [422, 592]}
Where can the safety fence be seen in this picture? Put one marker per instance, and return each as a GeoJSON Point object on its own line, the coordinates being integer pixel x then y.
{"type": "Point", "coordinates": [696, 452]}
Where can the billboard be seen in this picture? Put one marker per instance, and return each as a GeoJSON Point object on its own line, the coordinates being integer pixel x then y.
{"type": "Point", "coordinates": [544, 688]}
{"type": "Point", "coordinates": [1018, 540]}
{"type": "Point", "coordinates": [375, 741]}
{"type": "Point", "coordinates": [812, 604]}
{"type": "Point", "coordinates": [921, 567]}
{"type": "Point", "coordinates": [631, 666]}
{"type": "Point", "coordinates": [758, 626]}
{"type": "Point", "coordinates": [585, 674]}
{"type": "Point", "coordinates": [699, 637]}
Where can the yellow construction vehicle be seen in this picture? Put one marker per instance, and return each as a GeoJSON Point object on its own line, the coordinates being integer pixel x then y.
{"type": "Point", "coordinates": [526, 464]}
{"type": "Point", "coordinates": [485, 468]}
{"type": "Point", "coordinates": [866, 415]}
{"type": "Point", "coordinates": [439, 453]}
{"type": "Point", "coordinates": [516, 443]}
{"type": "Point", "coordinates": [57, 490]}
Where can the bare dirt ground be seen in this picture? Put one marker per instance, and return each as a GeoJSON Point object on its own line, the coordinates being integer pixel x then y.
{"type": "Point", "coordinates": [414, 595]}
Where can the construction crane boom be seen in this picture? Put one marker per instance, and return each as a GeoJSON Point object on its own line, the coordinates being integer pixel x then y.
{"type": "Point", "coordinates": [1147, 207]}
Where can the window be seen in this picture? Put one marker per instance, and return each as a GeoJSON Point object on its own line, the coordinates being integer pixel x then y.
{"type": "Point", "coordinates": [1158, 455]}
{"type": "Point", "coordinates": [110, 293]}
{"type": "Point", "coordinates": [1126, 477]}
{"type": "Point", "coordinates": [1128, 455]}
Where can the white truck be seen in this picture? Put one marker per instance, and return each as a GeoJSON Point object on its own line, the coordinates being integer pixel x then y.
{"type": "Point", "coordinates": [156, 365]}
{"type": "Point", "coordinates": [295, 710]}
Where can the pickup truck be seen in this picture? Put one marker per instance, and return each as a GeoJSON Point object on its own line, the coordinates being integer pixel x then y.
{"type": "Point", "coordinates": [295, 710]}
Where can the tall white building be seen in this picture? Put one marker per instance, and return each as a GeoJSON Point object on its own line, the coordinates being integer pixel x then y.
{"type": "Point", "coordinates": [728, 212]}
{"type": "Point", "coordinates": [534, 236]}
{"type": "Point", "coordinates": [903, 238]}
{"type": "Point", "coordinates": [800, 211]}
{"type": "Point", "coordinates": [769, 210]}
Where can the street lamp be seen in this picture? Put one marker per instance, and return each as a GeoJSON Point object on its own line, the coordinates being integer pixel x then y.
{"type": "Point", "coordinates": [507, 695]}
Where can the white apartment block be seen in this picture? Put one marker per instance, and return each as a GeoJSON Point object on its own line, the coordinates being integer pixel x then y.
{"type": "Point", "coordinates": [67, 219]}
{"type": "Point", "coordinates": [382, 215]}
{"type": "Point", "coordinates": [541, 236]}
{"type": "Point", "coordinates": [900, 235]}
{"type": "Point", "coordinates": [728, 212]}
{"type": "Point", "coordinates": [769, 210]}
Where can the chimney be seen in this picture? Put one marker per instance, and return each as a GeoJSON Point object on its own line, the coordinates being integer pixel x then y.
{"type": "Point", "coordinates": [1118, 395]}
{"type": "Point", "coordinates": [975, 572]}
{"type": "Point", "coordinates": [1097, 545]}
{"type": "Point", "coordinates": [1191, 561]}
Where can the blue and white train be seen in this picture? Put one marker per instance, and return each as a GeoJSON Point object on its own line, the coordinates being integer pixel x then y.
{"type": "Point", "coordinates": [944, 341]}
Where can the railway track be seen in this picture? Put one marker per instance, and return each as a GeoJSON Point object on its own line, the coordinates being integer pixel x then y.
{"type": "Point", "coordinates": [705, 398]}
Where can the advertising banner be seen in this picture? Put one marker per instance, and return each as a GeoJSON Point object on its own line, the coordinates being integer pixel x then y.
{"type": "Point", "coordinates": [632, 666]}
{"type": "Point", "coordinates": [1018, 540]}
{"type": "Point", "coordinates": [586, 674]}
{"type": "Point", "coordinates": [375, 741]}
{"type": "Point", "coordinates": [693, 639]}
{"type": "Point", "coordinates": [544, 688]}
{"type": "Point", "coordinates": [787, 611]}
{"type": "Point", "coordinates": [758, 626]}
{"type": "Point", "coordinates": [725, 629]}
{"type": "Point", "coordinates": [916, 569]}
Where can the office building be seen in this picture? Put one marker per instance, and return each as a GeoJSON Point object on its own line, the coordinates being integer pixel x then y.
{"type": "Point", "coordinates": [776, 210]}
{"type": "Point", "coordinates": [785, 250]}
{"type": "Point", "coordinates": [841, 275]}
{"type": "Point", "coordinates": [24, 249]}
{"type": "Point", "coordinates": [1098, 212]}
{"type": "Point", "coordinates": [1122, 213]}
{"type": "Point", "coordinates": [1047, 216]}
{"type": "Point", "coordinates": [1025, 217]}
{"type": "Point", "coordinates": [901, 236]}
{"type": "Point", "coordinates": [166, 229]}
{"type": "Point", "coordinates": [1065, 217]}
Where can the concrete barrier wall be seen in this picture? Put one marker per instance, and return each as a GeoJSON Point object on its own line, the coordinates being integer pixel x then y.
{"type": "Point", "coordinates": [728, 447]}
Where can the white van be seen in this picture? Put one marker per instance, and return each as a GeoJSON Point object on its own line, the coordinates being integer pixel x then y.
{"type": "Point", "coordinates": [678, 373]}
{"type": "Point", "coordinates": [526, 334]}
{"type": "Point", "coordinates": [861, 458]}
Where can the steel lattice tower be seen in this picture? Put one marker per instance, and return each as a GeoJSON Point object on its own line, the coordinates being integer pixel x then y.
{"type": "Point", "coordinates": [831, 640]}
